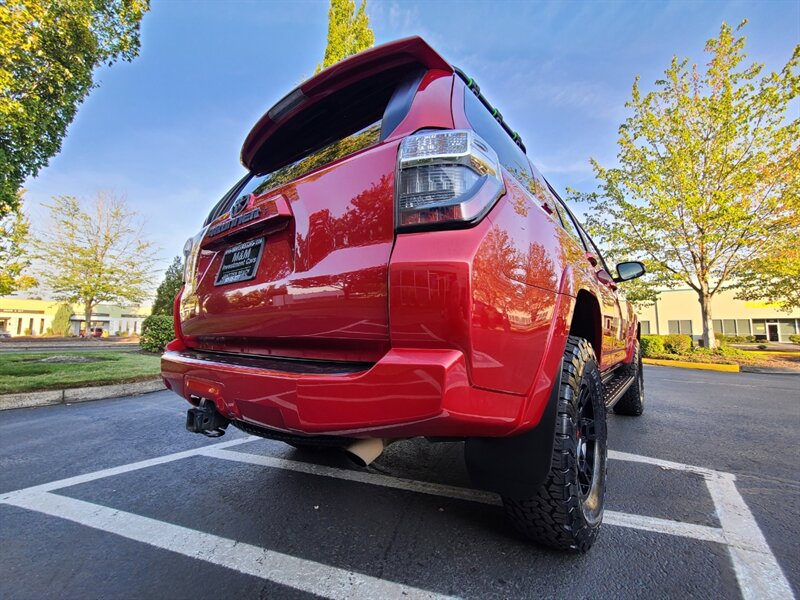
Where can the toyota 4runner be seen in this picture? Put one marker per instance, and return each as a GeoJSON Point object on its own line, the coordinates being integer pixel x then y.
{"type": "Point", "coordinates": [394, 266]}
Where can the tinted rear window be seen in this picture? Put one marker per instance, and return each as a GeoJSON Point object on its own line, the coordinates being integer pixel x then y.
{"type": "Point", "coordinates": [337, 116]}
{"type": "Point", "coordinates": [485, 125]}
{"type": "Point", "coordinates": [345, 122]}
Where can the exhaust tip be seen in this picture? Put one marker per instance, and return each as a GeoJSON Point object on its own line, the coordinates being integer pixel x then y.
{"type": "Point", "coordinates": [363, 452]}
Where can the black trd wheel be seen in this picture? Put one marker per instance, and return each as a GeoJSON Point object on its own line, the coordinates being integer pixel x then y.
{"type": "Point", "coordinates": [632, 401]}
{"type": "Point", "coordinates": [567, 510]}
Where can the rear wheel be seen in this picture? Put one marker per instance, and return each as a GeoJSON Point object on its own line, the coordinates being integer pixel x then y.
{"type": "Point", "coordinates": [567, 510]}
{"type": "Point", "coordinates": [632, 401]}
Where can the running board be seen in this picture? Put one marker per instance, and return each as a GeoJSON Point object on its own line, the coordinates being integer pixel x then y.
{"type": "Point", "coordinates": [615, 387]}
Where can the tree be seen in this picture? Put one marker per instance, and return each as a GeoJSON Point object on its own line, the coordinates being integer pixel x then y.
{"type": "Point", "coordinates": [775, 278]}
{"type": "Point", "coordinates": [14, 260]}
{"type": "Point", "coordinates": [61, 321]}
{"type": "Point", "coordinates": [169, 288]}
{"type": "Point", "coordinates": [49, 50]}
{"type": "Point", "coordinates": [97, 256]}
{"type": "Point", "coordinates": [708, 179]}
{"type": "Point", "coordinates": [348, 32]}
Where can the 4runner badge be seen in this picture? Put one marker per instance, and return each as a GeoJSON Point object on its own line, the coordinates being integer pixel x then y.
{"type": "Point", "coordinates": [237, 219]}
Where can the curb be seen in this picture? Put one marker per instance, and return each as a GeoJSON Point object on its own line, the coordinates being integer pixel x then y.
{"type": "Point", "coordinates": [692, 365]}
{"type": "Point", "coordinates": [770, 371]}
{"type": "Point", "coordinates": [82, 394]}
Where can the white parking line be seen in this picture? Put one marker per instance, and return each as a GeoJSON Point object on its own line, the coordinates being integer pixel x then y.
{"type": "Point", "coordinates": [298, 573]}
{"type": "Point", "coordinates": [142, 464]}
{"type": "Point", "coordinates": [664, 464]}
{"type": "Point", "coordinates": [757, 570]}
{"type": "Point", "coordinates": [610, 517]}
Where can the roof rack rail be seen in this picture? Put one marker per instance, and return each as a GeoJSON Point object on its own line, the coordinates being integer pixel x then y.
{"type": "Point", "coordinates": [495, 113]}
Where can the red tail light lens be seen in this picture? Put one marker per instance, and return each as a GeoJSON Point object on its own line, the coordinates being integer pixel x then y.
{"type": "Point", "coordinates": [446, 178]}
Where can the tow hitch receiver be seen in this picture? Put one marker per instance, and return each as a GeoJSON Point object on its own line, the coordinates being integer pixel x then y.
{"type": "Point", "coordinates": [206, 420]}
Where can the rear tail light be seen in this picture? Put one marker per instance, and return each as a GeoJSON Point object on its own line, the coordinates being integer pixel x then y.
{"type": "Point", "coordinates": [191, 250]}
{"type": "Point", "coordinates": [446, 178]}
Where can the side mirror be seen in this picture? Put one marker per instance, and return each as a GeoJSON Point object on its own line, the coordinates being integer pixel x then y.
{"type": "Point", "coordinates": [629, 270]}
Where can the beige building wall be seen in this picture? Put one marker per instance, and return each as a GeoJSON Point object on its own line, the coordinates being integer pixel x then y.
{"type": "Point", "coordinates": [678, 311]}
{"type": "Point", "coordinates": [25, 316]}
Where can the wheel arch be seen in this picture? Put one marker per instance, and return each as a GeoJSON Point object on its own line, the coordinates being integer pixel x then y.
{"type": "Point", "coordinates": [586, 321]}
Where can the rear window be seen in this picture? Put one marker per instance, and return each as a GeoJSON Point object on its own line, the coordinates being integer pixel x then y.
{"type": "Point", "coordinates": [259, 184]}
{"type": "Point", "coordinates": [344, 122]}
{"type": "Point", "coordinates": [485, 125]}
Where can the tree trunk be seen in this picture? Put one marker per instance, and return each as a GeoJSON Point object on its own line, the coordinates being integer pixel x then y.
{"type": "Point", "coordinates": [87, 315]}
{"type": "Point", "coordinates": [709, 340]}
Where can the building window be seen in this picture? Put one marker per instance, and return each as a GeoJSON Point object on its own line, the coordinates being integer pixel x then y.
{"type": "Point", "coordinates": [786, 328]}
{"type": "Point", "coordinates": [19, 326]}
{"type": "Point", "coordinates": [645, 327]}
{"type": "Point", "coordinates": [41, 326]}
{"type": "Point", "coordinates": [679, 327]}
{"type": "Point", "coordinates": [732, 326]}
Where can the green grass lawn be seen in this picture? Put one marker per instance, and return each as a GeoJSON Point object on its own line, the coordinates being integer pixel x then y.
{"type": "Point", "coordinates": [26, 371]}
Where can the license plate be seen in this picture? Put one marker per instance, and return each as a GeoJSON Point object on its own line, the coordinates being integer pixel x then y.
{"type": "Point", "coordinates": [240, 262]}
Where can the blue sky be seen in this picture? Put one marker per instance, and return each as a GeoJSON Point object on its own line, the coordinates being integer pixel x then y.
{"type": "Point", "coordinates": [166, 129]}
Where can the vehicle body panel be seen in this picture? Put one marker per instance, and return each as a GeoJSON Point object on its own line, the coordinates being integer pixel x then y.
{"type": "Point", "coordinates": [453, 332]}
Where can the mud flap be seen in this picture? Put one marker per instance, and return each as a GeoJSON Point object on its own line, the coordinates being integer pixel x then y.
{"type": "Point", "coordinates": [515, 466]}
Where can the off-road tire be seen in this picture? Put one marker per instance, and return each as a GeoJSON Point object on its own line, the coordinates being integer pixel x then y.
{"type": "Point", "coordinates": [565, 514]}
{"type": "Point", "coordinates": [632, 401]}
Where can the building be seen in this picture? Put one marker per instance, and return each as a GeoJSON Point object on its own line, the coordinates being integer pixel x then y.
{"type": "Point", "coordinates": [678, 311]}
{"type": "Point", "coordinates": [23, 316]}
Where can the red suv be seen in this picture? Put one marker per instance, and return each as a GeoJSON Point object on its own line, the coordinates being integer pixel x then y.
{"type": "Point", "coordinates": [394, 266]}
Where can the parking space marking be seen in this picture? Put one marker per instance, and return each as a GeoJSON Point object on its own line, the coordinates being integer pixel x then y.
{"type": "Point", "coordinates": [110, 472]}
{"type": "Point", "coordinates": [301, 574]}
{"type": "Point", "coordinates": [757, 570]}
{"type": "Point", "coordinates": [610, 517]}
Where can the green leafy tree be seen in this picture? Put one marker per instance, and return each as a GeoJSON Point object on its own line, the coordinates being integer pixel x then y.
{"type": "Point", "coordinates": [775, 277]}
{"type": "Point", "coordinates": [95, 256]}
{"type": "Point", "coordinates": [708, 179]}
{"type": "Point", "coordinates": [14, 259]}
{"type": "Point", "coordinates": [61, 321]}
{"type": "Point", "coordinates": [49, 50]}
{"type": "Point", "coordinates": [169, 288]}
{"type": "Point", "coordinates": [348, 32]}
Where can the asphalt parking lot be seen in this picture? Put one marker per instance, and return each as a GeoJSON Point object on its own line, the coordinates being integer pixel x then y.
{"type": "Point", "coordinates": [113, 499]}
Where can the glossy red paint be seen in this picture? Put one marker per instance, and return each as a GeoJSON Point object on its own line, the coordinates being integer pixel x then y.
{"type": "Point", "coordinates": [409, 392]}
{"type": "Point", "coordinates": [321, 288]}
{"type": "Point", "coordinates": [461, 331]}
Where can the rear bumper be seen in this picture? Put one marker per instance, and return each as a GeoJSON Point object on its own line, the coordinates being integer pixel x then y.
{"type": "Point", "coordinates": [407, 393]}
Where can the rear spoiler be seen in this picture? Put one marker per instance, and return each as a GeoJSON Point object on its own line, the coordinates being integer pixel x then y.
{"type": "Point", "coordinates": [408, 51]}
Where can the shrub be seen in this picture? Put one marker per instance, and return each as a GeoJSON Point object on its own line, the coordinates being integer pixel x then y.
{"type": "Point", "coordinates": [61, 320]}
{"type": "Point", "coordinates": [734, 339]}
{"type": "Point", "coordinates": [157, 332]}
{"type": "Point", "coordinates": [795, 339]}
{"type": "Point", "coordinates": [651, 345]}
{"type": "Point", "coordinates": [677, 343]}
